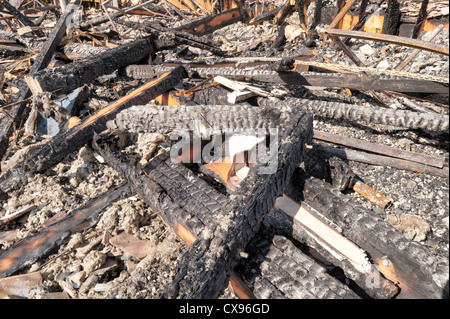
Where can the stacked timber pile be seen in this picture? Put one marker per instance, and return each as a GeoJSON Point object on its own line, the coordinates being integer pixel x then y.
{"type": "Point", "coordinates": [290, 149]}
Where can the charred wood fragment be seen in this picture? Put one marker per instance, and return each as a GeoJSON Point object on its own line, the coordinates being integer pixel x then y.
{"type": "Point", "coordinates": [420, 19]}
{"type": "Point", "coordinates": [210, 24]}
{"type": "Point", "coordinates": [69, 77]}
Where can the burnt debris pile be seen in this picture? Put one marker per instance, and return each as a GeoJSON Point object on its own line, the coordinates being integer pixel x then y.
{"type": "Point", "coordinates": [224, 149]}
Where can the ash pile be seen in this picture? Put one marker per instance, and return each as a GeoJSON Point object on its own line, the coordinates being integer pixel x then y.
{"type": "Point", "coordinates": [226, 149]}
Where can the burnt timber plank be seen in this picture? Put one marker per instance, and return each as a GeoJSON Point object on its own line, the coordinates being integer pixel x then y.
{"type": "Point", "coordinates": [206, 267]}
{"type": "Point", "coordinates": [400, 260]}
{"type": "Point", "coordinates": [39, 245]}
{"type": "Point", "coordinates": [67, 78]}
{"type": "Point", "coordinates": [44, 156]}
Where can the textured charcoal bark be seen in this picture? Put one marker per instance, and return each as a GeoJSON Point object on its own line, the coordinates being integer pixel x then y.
{"type": "Point", "coordinates": [69, 77]}
{"type": "Point", "coordinates": [65, 142]}
{"type": "Point", "coordinates": [433, 123]}
{"type": "Point", "coordinates": [285, 226]}
{"type": "Point", "coordinates": [398, 259]}
{"type": "Point", "coordinates": [392, 19]}
{"type": "Point", "coordinates": [39, 245]}
{"type": "Point", "coordinates": [206, 267]}
{"type": "Point", "coordinates": [276, 268]}
{"type": "Point", "coordinates": [164, 119]}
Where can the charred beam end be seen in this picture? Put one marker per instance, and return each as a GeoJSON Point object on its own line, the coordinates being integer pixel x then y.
{"type": "Point", "coordinates": [46, 155]}
{"type": "Point", "coordinates": [210, 24]}
{"type": "Point", "coordinates": [205, 268]}
{"type": "Point", "coordinates": [67, 78]}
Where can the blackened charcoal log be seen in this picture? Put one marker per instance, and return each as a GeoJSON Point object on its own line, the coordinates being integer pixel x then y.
{"type": "Point", "coordinates": [69, 77]}
{"type": "Point", "coordinates": [433, 123]}
{"type": "Point", "coordinates": [331, 80]}
{"type": "Point", "coordinates": [42, 157]}
{"type": "Point", "coordinates": [289, 272]}
{"type": "Point", "coordinates": [205, 268]}
{"type": "Point", "coordinates": [400, 260]}
{"type": "Point", "coordinates": [164, 119]}
{"type": "Point", "coordinates": [50, 237]}
{"type": "Point", "coordinates": [213, 96]}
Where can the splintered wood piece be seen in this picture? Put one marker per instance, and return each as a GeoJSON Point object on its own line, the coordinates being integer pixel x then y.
{"type": "Point", "coordinates": [39, 245]}
{"type": "Point", "coordinates": [341, 14]}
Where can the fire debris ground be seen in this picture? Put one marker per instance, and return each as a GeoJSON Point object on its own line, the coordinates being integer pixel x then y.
{"type": "Point", "coordinates": [92, 207]}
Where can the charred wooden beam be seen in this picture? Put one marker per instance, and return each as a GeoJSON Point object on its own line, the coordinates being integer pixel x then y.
{"type": "Point", "coordinates": [391, 21]}
{"type": "Point", "coordinates": [69, 77]}
{"type": "Point", "coordinates": [341, 14]}
{"type": "Point", "coordinates": [42, 157]}
{"type": "Point", "coordinates": [334, 80]}
{"type": "Point", "coordinates": [205, 269]}
{"type": "Point", "coordinates": [186, 203]}
{"type": "Point", "coordinates": [219, 118]}
{"type": "Point", "coordinates": [400, 260]}
{"type": "Point", "coordinates": [47, 239]}
{"type": "Point", "coordinates": [412, 43]}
